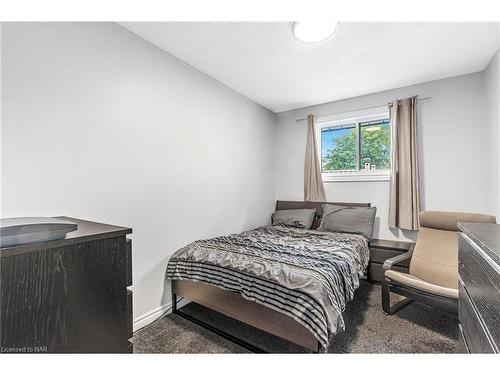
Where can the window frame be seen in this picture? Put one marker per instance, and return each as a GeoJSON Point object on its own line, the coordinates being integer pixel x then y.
{"type": "Point", "coordinates": [349, 119]}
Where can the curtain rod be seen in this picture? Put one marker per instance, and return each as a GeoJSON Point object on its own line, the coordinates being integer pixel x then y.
{"type": "Point", "coordinates": [364, 109]}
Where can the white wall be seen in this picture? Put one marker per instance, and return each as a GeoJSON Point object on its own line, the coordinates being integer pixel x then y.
{"type": "Point", "coordinates": [492, 86]}
{"type": "Point", "coordinates": [101, 125]}
{"type": "Point", "coordinates": [453, 149]}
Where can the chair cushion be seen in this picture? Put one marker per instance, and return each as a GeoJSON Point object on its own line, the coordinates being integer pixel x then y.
{"type": "Point", "coordinates": [435, 257]}
{"type": "Point", "coordinates": [418, 283]}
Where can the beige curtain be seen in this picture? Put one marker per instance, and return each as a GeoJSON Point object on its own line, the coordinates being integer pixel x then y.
{"type": "Point", "coordinates": [313, 183]}
{"type": "Point", "coordinates": [404, 202]}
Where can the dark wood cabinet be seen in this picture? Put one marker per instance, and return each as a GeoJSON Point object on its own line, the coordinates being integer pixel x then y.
{"type": "Point", "coordinates": [479, 287]}
{"type": "Point", "coordinates": [68, 295]}
{"type": "Point", "coordinates": [380, 251]}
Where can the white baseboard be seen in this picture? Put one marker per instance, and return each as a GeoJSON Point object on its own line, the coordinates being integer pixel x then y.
{"type": "Point", "coordinates": [151, 316]}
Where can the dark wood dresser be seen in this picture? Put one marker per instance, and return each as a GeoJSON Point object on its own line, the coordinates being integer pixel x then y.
{"type": "Point", "coordinates": [68, 295]}
{"type": "Point", "coordinates": [479, 287]}
{"type": "Point", "coordinates": [380, 251]}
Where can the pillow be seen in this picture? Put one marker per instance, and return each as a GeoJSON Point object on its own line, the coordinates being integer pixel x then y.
{"type": "Point", "coordinates": [302, 218]}
{"type": "Point", "coordinates": [358, 220]}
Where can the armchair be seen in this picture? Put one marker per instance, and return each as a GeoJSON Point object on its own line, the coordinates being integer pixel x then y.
{"type": "Point", "coordinates": [433, 274]}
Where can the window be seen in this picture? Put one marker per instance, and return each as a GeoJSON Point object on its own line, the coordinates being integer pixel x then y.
{"type": "Point", "coordinates": [355, 147]}
{"type": "Point", "coordinates": [338, 148]}
{"type": "Point", "coordinates": [375, 145]}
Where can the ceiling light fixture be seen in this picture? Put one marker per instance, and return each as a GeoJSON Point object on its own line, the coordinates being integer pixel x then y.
{"type": "Point", "coordinates": [314, 31]}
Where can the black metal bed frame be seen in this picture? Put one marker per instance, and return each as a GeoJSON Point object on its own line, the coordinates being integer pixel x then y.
{"type": "Point", "coordinates": [244, 344]}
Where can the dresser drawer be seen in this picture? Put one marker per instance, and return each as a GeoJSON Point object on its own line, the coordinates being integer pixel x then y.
{"type": "Point", "coordinates": [380, 251]}
{"type": "Point", "coordinates": [129, 314]}
{"type": "Point", "coordinates": [129, 262]}
{"type": "Point", "coordinates": [475, 337]}
{"type": "Point", "coordinates": [481, 279]}
{"type": "Point", "coordinates": [381, 255]}
{"type": "Point", "coordinates": [376, 271]}
{"type": "Point", "coordinates": [461, 340]}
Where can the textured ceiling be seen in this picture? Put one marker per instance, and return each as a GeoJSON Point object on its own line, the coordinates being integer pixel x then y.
{"type": "Point", "coordinates": [266, 64]}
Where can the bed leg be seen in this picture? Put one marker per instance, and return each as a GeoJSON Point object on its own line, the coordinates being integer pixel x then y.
{"type": "Point", "coordinates": [174, 302]}
{"type": "Point", "coordinates": [319, 350]}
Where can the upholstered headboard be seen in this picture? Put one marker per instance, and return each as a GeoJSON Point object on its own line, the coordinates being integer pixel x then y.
{"type": "Point", "coordinates": [293, 205]}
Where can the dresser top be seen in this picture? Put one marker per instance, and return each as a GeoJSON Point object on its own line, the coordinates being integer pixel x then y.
{"type": "Point", "coordinates": [487, 236]}
{"type": "Point", "coordinates": [87, 231]}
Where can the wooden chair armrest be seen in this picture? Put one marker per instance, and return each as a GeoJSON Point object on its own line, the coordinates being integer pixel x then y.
{"type": "Point", "coordinates": [398, 258]}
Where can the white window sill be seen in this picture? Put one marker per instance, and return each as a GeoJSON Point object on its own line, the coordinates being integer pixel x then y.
{"type": "Point", "coordinates": [356, 176]}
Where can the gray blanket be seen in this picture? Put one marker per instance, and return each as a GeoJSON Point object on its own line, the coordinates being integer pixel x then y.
{"type": "Point", "coordinates": [308, 275]}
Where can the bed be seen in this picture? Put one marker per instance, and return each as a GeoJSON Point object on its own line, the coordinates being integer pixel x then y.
{"type": "Point", "coordinates": [293, 283]}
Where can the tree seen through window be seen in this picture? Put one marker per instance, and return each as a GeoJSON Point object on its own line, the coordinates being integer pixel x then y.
{"type": "Point", "coordinates": [340, 146]}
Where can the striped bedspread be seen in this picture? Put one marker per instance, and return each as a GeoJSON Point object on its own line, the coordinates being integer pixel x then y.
{"type": "Point", "coordinates": [308, 275]}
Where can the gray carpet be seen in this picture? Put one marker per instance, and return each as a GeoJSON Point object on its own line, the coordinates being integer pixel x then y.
{"type": "Point", "coordinates": [414, 329]}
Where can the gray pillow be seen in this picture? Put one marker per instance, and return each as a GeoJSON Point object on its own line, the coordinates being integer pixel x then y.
{"type": "Point", "coordinates": [302, 218]}
{"type": "Point", "coordinates": [358, 220]}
